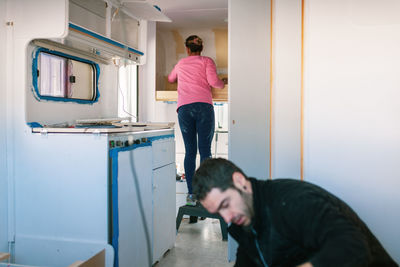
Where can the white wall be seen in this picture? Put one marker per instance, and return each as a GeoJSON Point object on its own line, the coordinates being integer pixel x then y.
{"type": "Point", "coordinates": [91, 17]}
{"type": "Point", "coordinates": [352, 129]}
{"type": "Point", "coordinates": [352, 144]}
{"type": "Point", "coordinates": [17, 106]}
{"type": "Point", "coordinates": [249, 42]}
{"type": "Point", "coordinates": [48, 112]}
{"type": "Point", "coordinates": [147, 72]}
{"type": "Point", "coordinates": [28, 23]}
{"type": "Point", "coordinates": [286, 69]}
{"type": "Point", "coordinates": [3, 120]}
{"type": "Point", "coordinates": [249, 79]}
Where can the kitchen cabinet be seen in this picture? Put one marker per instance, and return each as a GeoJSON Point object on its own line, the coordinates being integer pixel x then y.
{"type": "Point", "coordinates": [164, 196]}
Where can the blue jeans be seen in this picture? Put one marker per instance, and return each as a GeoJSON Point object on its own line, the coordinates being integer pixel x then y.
{"type": "Point", "coordinates": [197, 123]}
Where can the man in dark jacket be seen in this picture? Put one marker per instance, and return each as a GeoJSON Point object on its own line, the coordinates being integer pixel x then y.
{"type": "Point", "coordinates": [285, 222]}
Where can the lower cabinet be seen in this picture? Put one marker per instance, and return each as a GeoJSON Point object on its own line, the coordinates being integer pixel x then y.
{"type": "Point", "coordinates": [94, 197]}
{"type": "Point", "coordinates": [164, 195]}
{"type": "Point", "coordinates": [132, 220]}
{"type": "Point", "coordinates": [142, 240]}
{"type": "Point", "coordinates": [164, 229]}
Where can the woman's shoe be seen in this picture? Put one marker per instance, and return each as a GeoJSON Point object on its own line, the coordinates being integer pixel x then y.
{"type": "Point", "coordinates": [191, 200]}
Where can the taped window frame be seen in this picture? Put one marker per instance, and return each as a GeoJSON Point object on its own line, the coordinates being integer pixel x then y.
{"type": "Point", "coordinates": [35, 77]}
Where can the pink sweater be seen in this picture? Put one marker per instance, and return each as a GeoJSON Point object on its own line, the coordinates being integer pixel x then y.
{"type": "Point", "coordinates": [196, 75]}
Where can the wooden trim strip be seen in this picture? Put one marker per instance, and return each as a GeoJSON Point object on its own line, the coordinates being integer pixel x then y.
{"type": "Point", "coordinates": [271, 89]}
{"type": "Point", "coordinates": [302, 96]}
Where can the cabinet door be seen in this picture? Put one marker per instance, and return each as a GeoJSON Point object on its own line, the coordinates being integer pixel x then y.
{"type": "Point", "coordinates": [163, 152]}
{"type": "Point", "coordinates": [133, 243]}
{"type": "Point", "coordinates": [164, 192]}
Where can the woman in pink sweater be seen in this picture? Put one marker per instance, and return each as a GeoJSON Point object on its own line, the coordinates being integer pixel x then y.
{"type": "Point", "coordinates": [196, 75]}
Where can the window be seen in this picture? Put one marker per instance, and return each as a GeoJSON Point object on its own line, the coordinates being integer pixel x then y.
{"type": "Point", "coordinates": [57, 76]}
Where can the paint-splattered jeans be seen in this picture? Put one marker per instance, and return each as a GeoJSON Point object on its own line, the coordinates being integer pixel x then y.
{"type": "Point", "coordinates": [197, 123]}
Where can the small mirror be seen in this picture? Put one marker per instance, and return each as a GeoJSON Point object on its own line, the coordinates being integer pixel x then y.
{"type": "Point", "coordinates": [60, 76]}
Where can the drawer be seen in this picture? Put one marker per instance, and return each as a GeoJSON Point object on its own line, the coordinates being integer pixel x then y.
{"type": "Point", "coordinates": [163, 152]}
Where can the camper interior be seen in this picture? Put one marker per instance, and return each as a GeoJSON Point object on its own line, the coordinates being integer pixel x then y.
{"type": "Point", "coordinates": [92, 155]}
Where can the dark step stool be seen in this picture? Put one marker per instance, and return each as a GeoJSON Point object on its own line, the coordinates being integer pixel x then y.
{"type": "Point", "coordinates": [200, 211]}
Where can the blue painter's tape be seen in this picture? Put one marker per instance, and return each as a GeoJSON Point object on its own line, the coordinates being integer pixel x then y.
{"type": "Point", "coordinates": [105, 39]}
{"type": "Point", "coordinates": [154, 138]}
{"type": "Point", "coordinates": [114, 191]}
{"type": "Point", "coordinates": [218, 104]}
{"type": "Point", "coordinates": [157, 7]}
{"type": "Point", "coordinates": [34, 124]}
{"type": "Point", "coordinates": [52, 98]}
{"type": "Point", "coordinates": [115, 150]}
{"type": "Point", "coordinates": [114, 205]}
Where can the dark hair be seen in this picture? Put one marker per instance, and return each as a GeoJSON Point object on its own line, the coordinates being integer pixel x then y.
{"type": "Point", "coordinates": [214, 173]}
{"type": "Point", "coordinates": [194, 43]}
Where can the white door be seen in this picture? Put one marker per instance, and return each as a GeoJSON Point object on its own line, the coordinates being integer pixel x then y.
{"type": "Point", "coordinates": [134, 235]}
{"type": "Point", "coordinates": [164, 191]}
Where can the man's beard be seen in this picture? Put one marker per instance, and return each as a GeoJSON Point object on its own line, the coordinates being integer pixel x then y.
{"type": "Point", "coordinates": [249, 210]}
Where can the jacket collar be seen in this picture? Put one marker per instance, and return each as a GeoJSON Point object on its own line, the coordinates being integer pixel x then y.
{"type": "Point", "coordinates": [256, 203]}
{"type": "Point", "coordinates": [260, 199]}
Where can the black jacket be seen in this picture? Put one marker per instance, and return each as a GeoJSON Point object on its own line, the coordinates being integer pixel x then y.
{"type": "Point", "coordinates": [295, 222]}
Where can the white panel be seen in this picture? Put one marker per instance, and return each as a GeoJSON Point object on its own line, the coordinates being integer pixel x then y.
{"type": "Point", "coordinates": [61, 194]}
{"type": "Point", "coordinates": [177, 6]}
{"type": "Point", "coordinates": [49, 112]}
{"type": "Point", "coordinates": [249, 86]}
{"type": "Point", "coordinates": [145, 11]}
{"type": "Point", "coordinates": [147, 74]}
{"type": "Point", "coordinates": [3, 155]}
{"type": "Point", "coordinates": [133, 242]}
{"type": "Point", "coordinates": [352, 112]}
{"type": "Point", "coordinates": [59, 252]}
{"type": "Point", "coordinates": [163, 151]}
{"type": "Point", "coordinates": [88, 14]}
{"type": "Point", "coordinates": [286, 91]}
{"type": "Point", "coordinates": [369, 13]}
{"type": "Point", "coordinates": [29, 22]}
{"type": "Point", "coordinates": [125, 30]}
{"type": "Point", "coordinates": [193, 18]}
{"type": "Point", "coordinates": [181, 192]}
{"type": "Point", "coordinates": [249, 78]}
{"type": "Point", "coordinates": [164, 193]}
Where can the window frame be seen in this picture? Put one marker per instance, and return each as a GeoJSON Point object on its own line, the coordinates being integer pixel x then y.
{"type": "Point", "coordinates": [96, 73]}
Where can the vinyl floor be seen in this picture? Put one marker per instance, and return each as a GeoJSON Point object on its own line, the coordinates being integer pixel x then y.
{"type": "Point", "coordinates": [197, 245]}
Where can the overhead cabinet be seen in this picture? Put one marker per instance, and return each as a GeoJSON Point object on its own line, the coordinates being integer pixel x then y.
{"type": "Point", "coordinates": [111, 28]}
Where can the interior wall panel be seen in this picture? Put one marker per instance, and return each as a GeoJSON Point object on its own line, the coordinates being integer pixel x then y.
{"type": "Point", "coordinates": [286, 89]}
{"type": "Point", "coordinates": [352, 126]}
{"type": "Point", "coordinates": [3, 144]}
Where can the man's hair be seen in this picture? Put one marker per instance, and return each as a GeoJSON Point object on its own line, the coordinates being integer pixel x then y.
{"type": "Point", "coordinates": [214, 173]}
{"type": "Point", "coordinates": [194, 43]}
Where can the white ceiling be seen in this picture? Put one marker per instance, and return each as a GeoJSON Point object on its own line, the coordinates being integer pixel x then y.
{"type": "Point", "coordinates": [193, 13]}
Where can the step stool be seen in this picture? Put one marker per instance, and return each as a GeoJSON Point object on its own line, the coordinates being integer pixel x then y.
{"type": "Point", "coordinates": [200, 211]}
